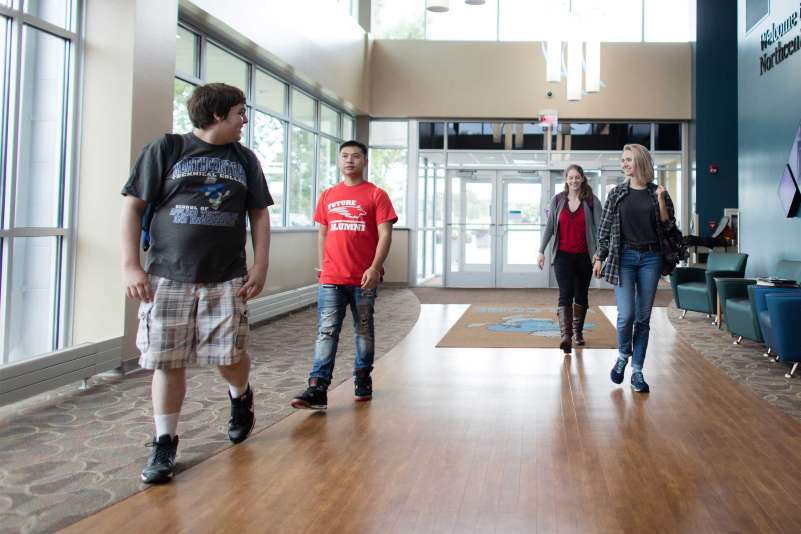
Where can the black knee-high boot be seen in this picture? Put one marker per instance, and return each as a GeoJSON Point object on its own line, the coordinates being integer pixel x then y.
{"type": "Point", "coordinates": [579, 314]}
{"type": "Point", "coordinates": [566, 328]}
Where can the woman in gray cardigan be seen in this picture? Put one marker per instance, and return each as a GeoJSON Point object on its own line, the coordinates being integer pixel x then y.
{"type": "Point", "coordinates": [573, 221]}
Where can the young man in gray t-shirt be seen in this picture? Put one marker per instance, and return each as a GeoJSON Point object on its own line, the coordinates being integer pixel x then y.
{"type": "Point", "coordinates": [194, 288]}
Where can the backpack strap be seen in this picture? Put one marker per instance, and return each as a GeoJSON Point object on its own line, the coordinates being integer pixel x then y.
{"type": "Point", "coordinates": [175, 147]}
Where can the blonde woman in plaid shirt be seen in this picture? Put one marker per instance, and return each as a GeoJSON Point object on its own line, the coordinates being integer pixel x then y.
{"type": "Point", "coordinates": [636, 215]}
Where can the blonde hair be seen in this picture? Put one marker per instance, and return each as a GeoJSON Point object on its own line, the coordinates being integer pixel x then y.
{"type": "Point", "coordinates": [643, 164]}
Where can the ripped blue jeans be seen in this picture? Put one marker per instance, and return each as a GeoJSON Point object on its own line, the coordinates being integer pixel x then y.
{"type": "Point", "coordinates": [332, 302]}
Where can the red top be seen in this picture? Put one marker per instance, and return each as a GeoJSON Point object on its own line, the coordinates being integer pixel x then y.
{"type": "Point", "coordinates": [572, 230]}
{"type": "Point", "coordinates": [352, 215]}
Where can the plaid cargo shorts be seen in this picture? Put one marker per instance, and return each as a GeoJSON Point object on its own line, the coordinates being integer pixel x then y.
{"type": "Point", "coordinates": [192, 325]}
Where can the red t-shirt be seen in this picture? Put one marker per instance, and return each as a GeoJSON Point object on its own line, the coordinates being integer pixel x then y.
{"type": "Point", "coordinates": [572, 230]}
{"type": "Point", "coordinates": [352, 215]}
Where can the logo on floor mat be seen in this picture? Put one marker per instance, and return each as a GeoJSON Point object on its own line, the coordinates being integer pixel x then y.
{"type": "Point", "coordinates": [523, 324]}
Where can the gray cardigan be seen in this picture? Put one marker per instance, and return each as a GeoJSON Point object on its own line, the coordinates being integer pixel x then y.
{"type": "Point", "coordinates": [592, 217]}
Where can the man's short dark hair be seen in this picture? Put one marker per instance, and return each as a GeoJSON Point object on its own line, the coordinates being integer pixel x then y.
{"type": "Point", "coordinates": [357, 144]}
{"type": "Point", "coordinates": [210, 100]}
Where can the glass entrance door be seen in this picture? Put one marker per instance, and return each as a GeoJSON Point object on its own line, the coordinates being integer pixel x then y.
{"type": "Point", "coordinates": [520, 225]}
{"type": "Point", "coordinates": [470, 229]}
{"type": "Point", "coordinates": [495, 222]}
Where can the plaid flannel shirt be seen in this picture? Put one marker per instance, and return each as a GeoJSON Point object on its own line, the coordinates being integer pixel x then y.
{"type": "Point", "coordinates": [610, 241]}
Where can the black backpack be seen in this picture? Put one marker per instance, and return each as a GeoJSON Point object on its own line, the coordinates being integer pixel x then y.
{"type": "Point", "coordinates": [674, 249]}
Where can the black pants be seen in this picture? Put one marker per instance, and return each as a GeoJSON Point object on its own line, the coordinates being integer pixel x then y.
{"type": "Point", "coordinates": [573, 274]}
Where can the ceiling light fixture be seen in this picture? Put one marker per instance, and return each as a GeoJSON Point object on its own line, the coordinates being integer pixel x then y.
{"type": "Point", "coordinates": [438, 6]}
{"type": "Point", "coordinates": [592, 68]}
{"type": "Point", "coordinates": [553, 61]}
{"type": "Point", "coordinates": [583, 56]}
{"type": "Point", "coordinates": [575, 51]}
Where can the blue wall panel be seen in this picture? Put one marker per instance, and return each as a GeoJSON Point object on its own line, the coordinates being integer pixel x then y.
{"type": "Point", "coordinates": [769, 111]}
{"type": "Point", "coordinates": [715, 109]}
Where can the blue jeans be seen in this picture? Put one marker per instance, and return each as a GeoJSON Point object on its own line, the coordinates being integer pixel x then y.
{"type": "Point", "coordinates": [332, 301]}
{"type": "Point", "coordinates": [639, 278]}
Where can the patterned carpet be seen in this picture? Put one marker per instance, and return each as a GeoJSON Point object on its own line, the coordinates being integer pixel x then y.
{"type": "Point", "coordinates": [68, 453]}
{"type": "Point", "coordinates": [743, 363]}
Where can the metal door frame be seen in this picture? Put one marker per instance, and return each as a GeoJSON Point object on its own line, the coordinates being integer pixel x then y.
{"type": "Point", "coordinates": [497, 228]}
{"type": "Point", "coordinates": [534, 279]}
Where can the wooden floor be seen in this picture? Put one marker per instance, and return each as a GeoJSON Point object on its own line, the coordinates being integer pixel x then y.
{"type": "Point", "coordinates": [500, 440]}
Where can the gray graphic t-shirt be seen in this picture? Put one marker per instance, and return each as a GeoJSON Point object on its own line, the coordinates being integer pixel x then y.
{"type": "Point", "coordinates": [202, 193]}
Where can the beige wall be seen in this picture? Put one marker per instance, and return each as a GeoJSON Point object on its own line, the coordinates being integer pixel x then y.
{"type": "Point", "coordinates": [129, 63]}
{"type": "Point", "coordinates": [308, 41]}
{"type": "Point", "coordinates": [507, 80]}
{"type": "Point", "coordinates": [293, 257]}
{"type": "Point", "coordinates": [396, 268]}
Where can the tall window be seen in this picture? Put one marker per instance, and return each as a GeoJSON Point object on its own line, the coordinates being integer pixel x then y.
{"type": "Point", "coordinates": [294, 135]}
{"type": "Point", "coordinates": [465, 22]}
{"type": "Point", "coordinates": [392, 19]}
{"type": "Point", "coordinates": [387, 165]}
{"type": "Point", "coordinates": [37, 101]}
{"type": "Point", "coordinates": [536, 20]}
{"type": "Point", "coordinates": [348, 6]}
{"type": "Point", "coordinates": [669, 21]}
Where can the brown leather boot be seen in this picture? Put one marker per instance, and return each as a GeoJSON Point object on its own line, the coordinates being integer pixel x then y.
{"type": "Point", "coordinates": [579, 314]}
{"type": "Point", "coordinates": [566, 328]}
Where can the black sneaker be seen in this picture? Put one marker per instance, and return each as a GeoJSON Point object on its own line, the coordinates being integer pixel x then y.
{"type": "Point", "coordinates": [242, 417]}
{"type": "Point", "coordinates": [314, 398]}
{"type": "Point", "coordinates": [161, 462]}
{"type": "Point", "coordinates": [363, 385]}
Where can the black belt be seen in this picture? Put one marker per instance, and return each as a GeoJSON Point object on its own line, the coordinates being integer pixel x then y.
{"type": "Point", "coordinates": [647, 247]}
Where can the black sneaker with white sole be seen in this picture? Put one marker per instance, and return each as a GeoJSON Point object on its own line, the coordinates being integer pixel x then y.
{"type": "Point", "coordinates": [315, 397]}
{"type": "Point", "coordinates": [160, 466]}
{"type": "Point", "coordinates": [242, 417]}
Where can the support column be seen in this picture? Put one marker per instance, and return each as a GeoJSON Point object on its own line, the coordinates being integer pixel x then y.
{"type": "Point", "coordinates": [129, 67]}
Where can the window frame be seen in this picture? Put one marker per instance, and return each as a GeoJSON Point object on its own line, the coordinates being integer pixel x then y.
{"type": "Point", "coordinates": [63, 231]}
{"type": "Point", "coordinates": [497, 29]}
{"type": "Point", "coordinates": [408, 148]}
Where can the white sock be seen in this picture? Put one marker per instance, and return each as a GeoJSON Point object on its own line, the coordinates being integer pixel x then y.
{"type": "Point", "coordinates": [166, 424]}
{"type": "Point", "coordinates": [238, 392]}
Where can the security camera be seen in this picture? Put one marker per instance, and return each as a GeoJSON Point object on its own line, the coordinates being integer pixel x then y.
{"type": "Point", "coordinates": [549, 93]}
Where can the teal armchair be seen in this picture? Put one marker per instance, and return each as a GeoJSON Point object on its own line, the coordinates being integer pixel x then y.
{"type": "Point", "coordinates": [739, 310]}
{"type": "Point", "coordinates": [694, 288]}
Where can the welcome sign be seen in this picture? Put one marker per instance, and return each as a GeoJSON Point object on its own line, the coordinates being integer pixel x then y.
{"type": "Point", "coordinates": [784, 39]}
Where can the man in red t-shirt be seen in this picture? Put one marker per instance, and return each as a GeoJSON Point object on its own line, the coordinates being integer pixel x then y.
{"type": "Point", "coordinates": [355, 219]}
